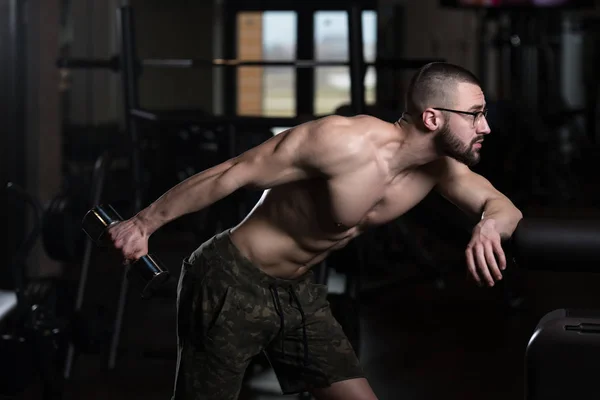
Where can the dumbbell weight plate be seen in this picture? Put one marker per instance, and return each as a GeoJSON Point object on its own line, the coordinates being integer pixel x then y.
{"type": "Point", "coordinates": [97, 220]}
{"type": "Point", "coordinates": [147, 275]}
{"type": "Point", "coordinates": [60, 232]}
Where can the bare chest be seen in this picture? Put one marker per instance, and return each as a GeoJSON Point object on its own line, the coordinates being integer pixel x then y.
{"type": "Point", "coordinates": [357, 202]}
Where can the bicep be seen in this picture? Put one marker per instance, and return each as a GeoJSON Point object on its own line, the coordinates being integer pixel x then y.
{"type": "Point", "coordinates": [466, 189]}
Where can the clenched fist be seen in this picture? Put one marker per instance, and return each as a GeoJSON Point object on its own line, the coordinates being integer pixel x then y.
{"type": "Point", "coordinates": [129, 238]}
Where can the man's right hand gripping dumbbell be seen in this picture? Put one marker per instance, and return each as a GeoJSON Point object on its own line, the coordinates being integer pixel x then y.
{"type": "Point", "coordinates": [106, 228]}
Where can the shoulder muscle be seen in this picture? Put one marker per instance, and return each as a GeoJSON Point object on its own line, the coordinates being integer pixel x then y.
{"type": "Point", "coordinates": [324, 147]}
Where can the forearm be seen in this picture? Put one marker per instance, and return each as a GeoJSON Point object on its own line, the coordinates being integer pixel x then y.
{"type": "Point", "coordinates": [505, 214]}
{"type": "Point", "coordinates": [193, 194]}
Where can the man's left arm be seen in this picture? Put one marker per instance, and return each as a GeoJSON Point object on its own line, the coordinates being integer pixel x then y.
{"type": "Point", "coordinates": [499, 218]}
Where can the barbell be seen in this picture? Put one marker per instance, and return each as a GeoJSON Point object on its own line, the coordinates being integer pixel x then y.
{"type": "Point", "coordinates": [113, 63]}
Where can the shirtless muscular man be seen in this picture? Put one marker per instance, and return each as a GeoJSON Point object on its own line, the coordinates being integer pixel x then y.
{"type": "Point", "coordinates": [250, 288]}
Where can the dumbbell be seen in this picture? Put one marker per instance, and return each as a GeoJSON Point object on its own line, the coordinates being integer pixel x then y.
{"type": "Point", "coordinates": [146, 273]}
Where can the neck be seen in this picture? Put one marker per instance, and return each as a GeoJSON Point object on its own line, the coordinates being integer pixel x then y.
{"type": "Point", "coordinates": [416, 148]}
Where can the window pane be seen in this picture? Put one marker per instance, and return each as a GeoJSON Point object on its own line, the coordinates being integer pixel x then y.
{"type": "Point", "coordinates": [267, 91]}
{"type": "Point", "coordinates": [249, 79]}
{"type": "Point", "coordinates": [279, 92]}
{"type": "Point", "coordinates": [369, 22]}
{"type": "Point", "coordinates": [279, 44]}
{"type": "Point", "coordinates": [332, 84]}
{"type": "Point", "coordinates": [279, 35]}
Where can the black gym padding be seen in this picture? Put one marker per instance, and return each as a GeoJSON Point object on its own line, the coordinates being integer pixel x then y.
{"type": "Point", "coordinates": [557, 244]}
{"type": "Point", "coordinates": [562, 356]}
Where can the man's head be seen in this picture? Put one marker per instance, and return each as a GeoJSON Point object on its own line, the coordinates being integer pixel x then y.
{"type": "Point", "coordinates": [447, 100]}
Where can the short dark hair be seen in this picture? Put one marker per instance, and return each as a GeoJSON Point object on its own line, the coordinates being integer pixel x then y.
{"type": "Point", "coordinates": [433, 84]}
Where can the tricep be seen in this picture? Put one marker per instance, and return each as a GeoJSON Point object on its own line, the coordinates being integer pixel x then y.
{"type": "Point", "coordinates": [274, 162]}
{"type": "Point", "coordinates": [321, 148]}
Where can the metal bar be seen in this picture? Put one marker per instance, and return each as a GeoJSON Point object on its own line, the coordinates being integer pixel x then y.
{"type": "Point", "coordinates": [13, 102]}
{"type": "Point", "coordinates": [230, 81]}
{"type": "Point", "coordinates": [305, 77]}
{"type": "Point", "coordinates": [129, 80]}
{"type": "Point", "coordinates": [130, 75]}
{"type": "Point", "coordinates": [193, 63]}
{"type": "Point", "coordinates": [217, 120]}
{"type": "Point", "coordinates": [114, 63]}
{"type": "Point", "coordinates": [88, 63]}
{"type": "Point", "coordinates": [189, 63]}
{"type": "Point", "coordinates": [355, 38]}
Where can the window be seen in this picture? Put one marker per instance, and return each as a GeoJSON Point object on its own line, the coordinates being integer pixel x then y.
{"type": "Point", "coordinates": [332, 84]}
{"type": "Point", "coordinates": [273, 36]}
{"type": "Point", "coordinates": [269, 36]}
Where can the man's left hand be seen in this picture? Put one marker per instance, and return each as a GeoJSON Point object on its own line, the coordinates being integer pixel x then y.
{"type": "Point", "coordinates": [485, 256]}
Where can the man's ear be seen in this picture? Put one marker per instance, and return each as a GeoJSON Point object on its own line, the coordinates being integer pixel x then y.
{"type": "Point", "coordinates": [432, 120]}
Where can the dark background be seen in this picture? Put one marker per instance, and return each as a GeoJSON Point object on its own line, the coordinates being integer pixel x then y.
{"type": "Point", "coordinates": [423, 331]}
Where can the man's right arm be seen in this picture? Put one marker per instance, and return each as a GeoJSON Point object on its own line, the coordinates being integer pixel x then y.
{"type": "Point", "coordinates": [317, 148]}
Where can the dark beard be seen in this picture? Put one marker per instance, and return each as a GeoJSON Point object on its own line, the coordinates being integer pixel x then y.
{"type": "Point", "coordinates": [449, 145]}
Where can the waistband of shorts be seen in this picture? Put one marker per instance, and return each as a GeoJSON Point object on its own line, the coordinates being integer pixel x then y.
{"type": "Point", "coordinates": [246, 269]}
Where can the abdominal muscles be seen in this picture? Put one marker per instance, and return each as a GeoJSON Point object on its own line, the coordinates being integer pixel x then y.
{"type": "Point", "coordinates": [293, 228]}
{"type": "Point", "coordinates": [296, 226]}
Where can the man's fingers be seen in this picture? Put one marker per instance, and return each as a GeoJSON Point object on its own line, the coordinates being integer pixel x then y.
{"type": "Point", "coordinates": [482, 264]}
{"type": "Point", "coordinates": [500, 254]}
{"type": "Point", "coordinates": [471, 265]}
{"type": "Point", "coordinates": [491, 262]}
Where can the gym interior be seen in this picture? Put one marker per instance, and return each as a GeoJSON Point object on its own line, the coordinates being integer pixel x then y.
{"type": "Point", "coordinates": [115, 101]}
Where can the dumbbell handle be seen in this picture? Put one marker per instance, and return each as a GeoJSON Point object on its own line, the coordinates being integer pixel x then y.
{"type": "Point", "coordinates": [146, 272]}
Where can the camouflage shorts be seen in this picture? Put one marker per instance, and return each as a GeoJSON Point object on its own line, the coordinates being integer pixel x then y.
{"type": "Point", "coordinates": [229, 311]}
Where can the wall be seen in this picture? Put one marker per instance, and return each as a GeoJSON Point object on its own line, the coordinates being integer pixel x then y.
{"type": "Point", "coordinates": [421, 29]}
{"type": "Point", "coordinates": [91, 32]}
{"type": "Point", "coordinates": [433, 31]}
{"type": "Point", "coordinates": [175, 29]}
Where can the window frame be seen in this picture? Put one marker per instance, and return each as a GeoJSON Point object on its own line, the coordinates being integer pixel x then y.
{"type": "Point", "coordinates": [305, 49]}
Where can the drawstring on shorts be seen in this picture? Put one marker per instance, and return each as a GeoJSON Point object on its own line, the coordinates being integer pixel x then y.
{"type": "Point", "coordinates": [279, 310]}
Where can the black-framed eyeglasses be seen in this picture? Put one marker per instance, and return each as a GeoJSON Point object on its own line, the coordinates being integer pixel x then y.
{"type": "Point", "coordinates": [477, 115]}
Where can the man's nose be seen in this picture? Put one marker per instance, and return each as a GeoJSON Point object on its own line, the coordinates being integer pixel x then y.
{"type": "Point", "coordinates": [484, 127]}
